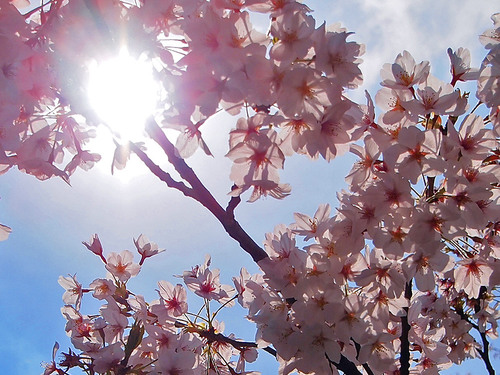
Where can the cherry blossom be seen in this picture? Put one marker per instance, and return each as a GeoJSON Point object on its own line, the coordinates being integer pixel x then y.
{"type": "Point", "coordinates": [460, 66]}
{"type": "Point", "coordinates": [4, 232]}
{"type": "Point", "coordinates": [438, 97]}
{"type": "Point", "coordinates": [404, 73]}
{"type": "Point", "coordinates": [292, 31]}
{"type": "Point", "coordinates": [121, 265]}
{"type": "Point", "coordinates": [471, 274]}
{"type": "Point", "coordinates": [339, 58]}
{"type": "Point", "coordinates": [472, 140]}
{"type": "Point", "coordinates": [258, 158]}
{"type": "Point", "coordinates": [95, 246]}
{"type": "Point", "coordinates": [175, 298]}
{"type": "Point", "coordinates": [74, 291]}
{"type": "Point", "coordinates": [394, 103]}
{"type": "Point", "coordinates": [102, 288]}
{"type": "Point", "coordinates": [146, 248]}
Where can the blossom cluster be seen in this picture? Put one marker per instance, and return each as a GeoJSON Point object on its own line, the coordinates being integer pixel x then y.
{"type": "Point", "coordinates": [131, 336]}
{"type": "Point", "coordinates": [414, 244]}
{"type": "Point", "coordinates": [39, 133]}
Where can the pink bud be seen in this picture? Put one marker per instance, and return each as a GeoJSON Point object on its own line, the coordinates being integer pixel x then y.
{"type": "Point", "coordinates": [95, 246]}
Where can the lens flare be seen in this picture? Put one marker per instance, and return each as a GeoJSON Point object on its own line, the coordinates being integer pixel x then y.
{"type": "Point", "coordinates": [124, 93]}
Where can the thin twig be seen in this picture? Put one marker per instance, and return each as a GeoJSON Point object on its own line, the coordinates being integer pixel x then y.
{"type": "Point", "coordinates": [160, 173]}
{"type": "Point", "coordinates": [485, 354]}
{"type": "Point", "coordinates": [211, 336]}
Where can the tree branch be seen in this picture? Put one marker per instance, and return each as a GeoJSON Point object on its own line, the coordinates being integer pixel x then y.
{"type": "Point", "coordinates": [233, 202]}
{"type": "Point", "coordinates": [485, 354]}
{"type": "Point", "coordinates": [346, 366]}
{"type": "Point", "coordinates": [211, 336]}
{"type": "Point", "coordinates": [404, 358]}
{"type": "Point", "coordinates": [160, 173]}
{"type": "Point", "coordinates": [365, 365]}
{"type": "Point", "coordinates": [203, 196]}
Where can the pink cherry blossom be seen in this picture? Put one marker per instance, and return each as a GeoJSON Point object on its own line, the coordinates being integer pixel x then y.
{"type": "Point", "coordinates": [363, 171]}
{"type": "Point", "coordinates": [315, 226]}
{"type": "Point", "coordinates": [404, 73]}
{"type": "Point", "coordinates": [394, 104]}
{"type": "Point", "coordinates": [172, 362]}
{"type": "Point", "coordinates": [333, 136]}
{"type": "Point", "coordinates": [249, 289]}
{"type": "Point", "coordinates": [471, 141]}
{"type": "Point", "coordinates": [292, 31]}
{"type": "Point", "coordinates": [108, 358]}
{"type": "Point", "coordinates": [423, 263]}
{"type": "Point", "coordinates": [339, 58]}
{"type": "Point", "coordinates": [4, 232]}
{"type": "Point", "coordinates": [122, 265]}
{"type": "Point", "coordinates": [74, 291]}
{"type": "Point", "coordinates": [303, 90]}
{"type": "Point", "coordinates": [471, 274]}
{"type": "Point", "coordinates": [51, 367]}
{"type": "Point", "coordinates": [416, 154]}
{"type": "Point", "coordinates": [396, 280]}
{"type": "Point", "coordinates": [434, 95]}
{"type": "Point", "coordinates": [102, 288]}
{"type": "Point", "coordinates": [259, 158]}
{"type": "Point", "coordinates": [115, 322]}
{"type": "Point", "coordinates": [377, 350]}
{"type": "Point", "coordinates": [174, 298]}
{"type": "Point", "coordinates": [206, 284]}
{"type": "Point", "coordinates": [460, 66]}
{"type": "Point", "coordinates": [95, 246]}
{"type": "Point", "coordinates": [146, 248]}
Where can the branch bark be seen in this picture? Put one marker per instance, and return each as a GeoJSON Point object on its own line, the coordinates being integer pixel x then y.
{"type": "Point", "coordinates": [404, 358]}
{"type": "Point", "coordinates": [211, 336]}
{"type": "Point", "coordinates": [485, 354]}
{"type": "Point", "coordinates": [160, 173]}
{"type": "Point", "coordinates": [199, 192]}
{"type": "Point", "coordinates": [346, 366]}
{"type": "Point", "coordinates": [365, 365]}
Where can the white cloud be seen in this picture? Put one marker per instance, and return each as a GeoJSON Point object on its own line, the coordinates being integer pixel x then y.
{"type": "Point", "coordinates": [425, 28]}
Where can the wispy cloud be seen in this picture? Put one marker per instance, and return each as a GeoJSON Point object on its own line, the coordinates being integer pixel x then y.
{"type": "Point", "coordinates": [425, 28]}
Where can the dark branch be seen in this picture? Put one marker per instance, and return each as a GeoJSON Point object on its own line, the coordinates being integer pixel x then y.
{"type": "Point", "coordinates": [365, 365]}
{"type": "Point", "coordinates": [211, 336]}
{"type": "Point", "coordinates": [160, 173]}
{"type": "Point", "coordinates": [404, 359]}
{"type": "Point", "coordinates": [235, 201]}
{"type": "Point", "coordinates": [485, 354]}
{"type": "Point", "coordinates": [346, 366]}
{"type": "Point", "coordinates": [203, 196]}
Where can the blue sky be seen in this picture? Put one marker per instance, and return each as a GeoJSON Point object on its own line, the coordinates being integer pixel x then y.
{"type": "Point", "coordinates": [50, 219]}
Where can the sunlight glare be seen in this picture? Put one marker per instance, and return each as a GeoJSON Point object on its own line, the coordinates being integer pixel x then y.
{"type": "Point", "coordinates": [124, 94]}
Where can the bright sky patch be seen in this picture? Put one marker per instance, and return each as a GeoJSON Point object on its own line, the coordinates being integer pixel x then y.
{"type": "Point", "coordinates": [124, 93]}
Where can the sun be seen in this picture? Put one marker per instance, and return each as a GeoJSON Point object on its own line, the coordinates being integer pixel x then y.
{"type": "Point", "coordinates": [124, 93]}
